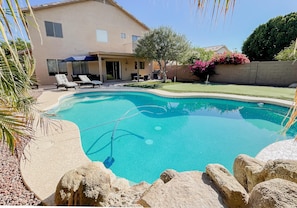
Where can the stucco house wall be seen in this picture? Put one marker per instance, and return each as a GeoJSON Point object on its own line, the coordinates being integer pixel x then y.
{"type": "Point", "coordinates": [80, 20]}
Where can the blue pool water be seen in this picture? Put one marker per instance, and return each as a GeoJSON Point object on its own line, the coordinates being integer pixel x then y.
{"type": "Point", "coordinates": [151, 133]}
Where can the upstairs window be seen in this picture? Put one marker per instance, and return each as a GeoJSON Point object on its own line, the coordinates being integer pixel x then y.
{"type": "Point", "coordinates": [53, 29]}
{"type": "Point", "coordinates": [134, 42]}
{"type": "Point", "coordinates": [123, 35]}
{"type": "Point", "coordinates": [101, 36]}
{"type": "Point", "coordinates": [103, 1]}
{"type": "Point", "coordinates": [135, 38]}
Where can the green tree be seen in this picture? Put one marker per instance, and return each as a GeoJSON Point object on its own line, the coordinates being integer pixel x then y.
{"type": "Point", "coordinates": [269, 39]}
{"type": "Point", "coordinates": [162, 45]}
{"type": "Point", "coordinates": [197, 53]}
{"type": "Point", "coordinates": [288, 53]}
{"type": "Point", "coordinates": [16, 103]}
{"type": "Point", "coordinates": [20, 45]}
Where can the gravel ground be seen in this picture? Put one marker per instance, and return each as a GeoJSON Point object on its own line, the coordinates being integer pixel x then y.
{"type": "Point", "coordinates": [12, 189]}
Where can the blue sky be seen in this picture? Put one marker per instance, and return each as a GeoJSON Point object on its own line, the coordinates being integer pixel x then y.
{"type": "Point", "coordinates": [199, 28]}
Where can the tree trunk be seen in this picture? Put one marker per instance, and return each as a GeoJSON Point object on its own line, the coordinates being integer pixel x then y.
{"type": "Point", "coordinates": [164, 74]}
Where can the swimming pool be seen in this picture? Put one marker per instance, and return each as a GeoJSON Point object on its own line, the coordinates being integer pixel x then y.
{"type": "Point", "coordinates": [139, 135]}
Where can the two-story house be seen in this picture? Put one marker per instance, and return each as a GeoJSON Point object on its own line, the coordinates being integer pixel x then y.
{"type": "Point", "coordinates": [85, 37]}
{"type": "Point", "coordinates": [218, 49]}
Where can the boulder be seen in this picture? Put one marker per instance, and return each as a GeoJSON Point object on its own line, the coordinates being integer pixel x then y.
{"type": "Point", "coordinates": [86, 185]}
{"type": "Point", "coordinates": [95, 185]}
{"type": "Point", "coordinates": [248, 171]}
{"type": "Point", "coordinates": [233, 193]}
{"type": "Point", "coordinates": [274, 193]}
{"type": "Point", "coordinates": [284, 169]}
{"type": "Point", "coordinates": [186, 189]}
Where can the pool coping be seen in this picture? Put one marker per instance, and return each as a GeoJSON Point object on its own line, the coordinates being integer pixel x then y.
{"type": "Point", "coordinates": [61, 147]}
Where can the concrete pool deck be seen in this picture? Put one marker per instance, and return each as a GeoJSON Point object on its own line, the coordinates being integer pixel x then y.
{"type": "Point", "coordinates": [50, 155]}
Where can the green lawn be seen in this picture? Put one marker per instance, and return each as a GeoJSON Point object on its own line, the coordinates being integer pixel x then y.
{"type": "Point", "coordinates": [258, 91]}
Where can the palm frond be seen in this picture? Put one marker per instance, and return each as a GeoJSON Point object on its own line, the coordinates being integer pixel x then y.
{"type": "Point", "coordinates": [13, 127]}
{"type": "Point", "coordinates": [218, 5]}
{"type": "Point", "coordinates": [16, 71]}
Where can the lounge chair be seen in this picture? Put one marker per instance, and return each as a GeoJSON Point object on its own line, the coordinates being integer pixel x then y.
{"type": "Point", "coordinates": [85, 80]}
{"type": "Point", "coordinates": [62, 81]}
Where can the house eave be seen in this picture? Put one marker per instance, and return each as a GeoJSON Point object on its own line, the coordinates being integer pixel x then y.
{"type": "Point", "coordinates": [68, 2]}
{"type": "Point", "coordinates": [105, 54]}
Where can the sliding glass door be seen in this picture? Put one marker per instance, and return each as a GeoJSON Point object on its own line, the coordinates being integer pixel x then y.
{"type": "Point", "coordinates": [113, 70]}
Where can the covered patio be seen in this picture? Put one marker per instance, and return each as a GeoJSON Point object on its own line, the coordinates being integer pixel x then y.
{"type": "Point", "coordinates": [120, 66]}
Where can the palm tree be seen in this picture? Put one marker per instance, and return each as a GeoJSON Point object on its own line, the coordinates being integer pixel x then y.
{"type": "Point", "coordinates": [16, 72]}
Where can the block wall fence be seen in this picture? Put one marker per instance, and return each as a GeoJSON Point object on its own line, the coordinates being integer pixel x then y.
{"type": "Point", "coordinates": [270, 73]}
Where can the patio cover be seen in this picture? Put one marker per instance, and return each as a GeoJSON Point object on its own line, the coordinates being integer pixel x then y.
{"type": "Point", "coordinates": [81, 58]}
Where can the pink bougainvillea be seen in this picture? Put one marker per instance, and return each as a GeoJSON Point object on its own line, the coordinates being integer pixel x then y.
{"type": "Point", "coordinates": [230, 58]}
{"type": "Point", "coordinates": [202, 69]}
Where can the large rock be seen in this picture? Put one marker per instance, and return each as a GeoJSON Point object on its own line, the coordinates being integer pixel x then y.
{"type": "Point", "coordinates": [87, 185]}
{"type": "Point", "coordinates": [95, 185]}
{"type": "Point", "coordinates": [233, 193]}
{"type": "Point", "coordinates": [274, 193]}
{"type": "Point", "coordinates": [248, 171]}
{"type": "Point", "coordinates": [186, 189]}
{"type": "Point", "coordinates": [285, 169]}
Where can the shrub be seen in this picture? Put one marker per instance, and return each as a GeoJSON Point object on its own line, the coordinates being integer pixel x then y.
{"type": "Point", "coordinates": [203, 68]}
{"type": "Point", "coordinates": [288, 53]}
{"type": "Point", "coordinates": [109, 77]}
{"type": "Point", "coordinates": [230, 58]}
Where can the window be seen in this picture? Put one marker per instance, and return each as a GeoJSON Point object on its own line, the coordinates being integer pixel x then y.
{"type": "Point", "coordinates": [134, 42]}
{"type": "Point", "coordinates": [101, 36]}
{"type": "Point", "coordinates": [56, 66]}
{"type": "Point", "coordinates": [80, 67]}
{"type": "Point", "coordinates": [123, 35]}
{"type": "Point", "coordinates": [135, 38]}
{"type": "Point", "coordinates": [141, 64]}
{"type": "Point", "coordinates": [53, 29]}
{"type": "Point", "coordinates": [103, 1]}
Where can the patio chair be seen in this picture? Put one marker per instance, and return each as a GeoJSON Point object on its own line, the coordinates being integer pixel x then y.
{"type": "Point", "coordinates": [85, 80]}
{"type": "Point", "coordinates": [62, 81]}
